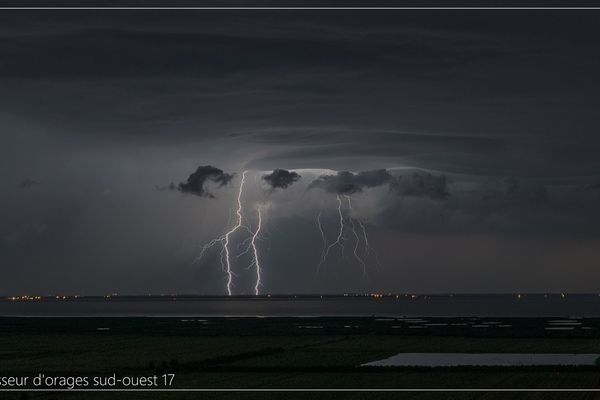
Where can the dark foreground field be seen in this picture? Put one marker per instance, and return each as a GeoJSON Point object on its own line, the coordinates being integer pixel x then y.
{"type": "Point", "coordinates": [292, 353]}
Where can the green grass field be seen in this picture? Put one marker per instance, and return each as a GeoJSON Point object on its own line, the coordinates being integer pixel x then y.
{"type": "Point", "coordinates": [282, 353]}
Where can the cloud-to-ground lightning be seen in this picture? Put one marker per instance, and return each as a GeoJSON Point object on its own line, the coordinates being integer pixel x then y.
{"type": "Point", "coordinates": [251, 244]}
{"type": "Point", "coordinates": [368, 248]}
{"type": "Point", "coordinates": [339, 238]}
{"type": "Point", "coordinates": [356, 237]}
{"type": "Point", "coordinates": [224, 240]}
{"type": "Point", "coordinates": [320, 227]}
{"type": "Point", "coordinates": [256, 261]}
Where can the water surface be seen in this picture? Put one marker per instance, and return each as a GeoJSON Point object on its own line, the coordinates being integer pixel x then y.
{"type": "Point", "coordinates": [403, 306]}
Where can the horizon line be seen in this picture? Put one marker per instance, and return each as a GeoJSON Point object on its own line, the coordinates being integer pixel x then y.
{"type": "Point", "coordinates": [268, 295]}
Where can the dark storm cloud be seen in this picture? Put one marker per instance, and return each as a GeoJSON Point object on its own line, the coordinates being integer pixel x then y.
{"type": "Point", "coordinates": [123, 100]}
{"type": "Point", "coordinates": [510, 189]}
{"type": "Point", "coordinates": [421, 184]}
{"type": "Point", "coordinates": [195, 183]}
{"type": "Point", "coordinates": [257, 79]}
{"type": "Point", "coordinates": [179, 43]}
{"type": "Point", "coordinates": [346, 182]}
{"type": "Point", "coordinates": [498, 206]}
{"type": "Point", "coordinates": [281, 178]}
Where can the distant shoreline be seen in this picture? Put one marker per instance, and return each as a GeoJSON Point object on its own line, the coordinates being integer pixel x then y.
{"type": "Point", "coordinates": [464, 305]}
{"type": "Point", "coordinates": [352, 296]}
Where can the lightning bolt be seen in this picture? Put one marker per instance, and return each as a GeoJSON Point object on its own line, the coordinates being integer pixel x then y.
{"type": "Point", "coordinates": [357, 239]}
{"type": "Point", "coordinates": [251, 244]}
{"type": "Point", "coordinates": [225, 254]}
{"type": "Point", "coordinates": [256, 261]}
{"type": "Point", "coordinates": [368, 248]}
{"type": "Point", "coordinates": [320, 227]}
{"type": "Point", "coordinates": [232, 230]}
{"type": "Point", "coordinates": [338, 240]}
{"type": "Point", "coordinates": [339, 237]}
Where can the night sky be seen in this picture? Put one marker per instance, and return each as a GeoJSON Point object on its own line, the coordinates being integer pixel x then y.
{"type": "Point", "coordinates": [467, 142]}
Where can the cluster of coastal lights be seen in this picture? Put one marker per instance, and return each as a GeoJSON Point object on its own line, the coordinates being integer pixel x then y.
{"type": "Point", "coordinates": [34, 298]}
{"type": "Point", "coordinates": [370, 295]}
{"type": "Point", "coordinates": [25, 298]}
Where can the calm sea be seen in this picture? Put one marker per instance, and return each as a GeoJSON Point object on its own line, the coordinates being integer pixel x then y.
{"type": "Point", "coordinates": [431, 306]}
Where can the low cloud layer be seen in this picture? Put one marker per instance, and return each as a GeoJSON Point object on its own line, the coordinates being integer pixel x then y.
{"type": "Point", "coordinates": [435, 205]}
{"type": "Point", "coordinates": [196, 182]}
{"type": "Point", "coordinates": [346, 182]}
{"type": "Point", "coordinates": [421, 184]}
{"type": "Point", "coordinates": [281, 178]}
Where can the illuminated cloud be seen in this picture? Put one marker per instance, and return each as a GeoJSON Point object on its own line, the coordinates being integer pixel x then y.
{"type": "Point", "coordinates": [346, 182]}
